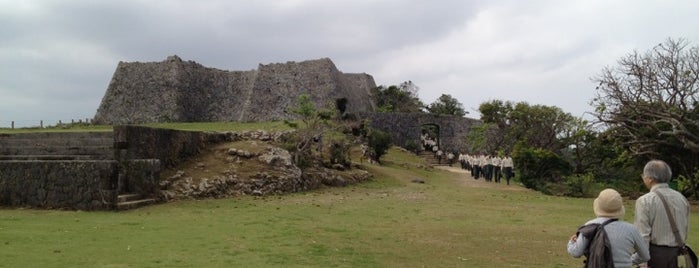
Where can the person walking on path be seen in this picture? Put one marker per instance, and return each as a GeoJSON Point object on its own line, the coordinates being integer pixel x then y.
{"type": "Point", "coordinates": [626, 243]}
{"type": "Point", "coordinates": [651, 217]}
{"type": "Point", "coordinates": [497, 166]}
{"type": "Point", "coordinates": [507, 167]}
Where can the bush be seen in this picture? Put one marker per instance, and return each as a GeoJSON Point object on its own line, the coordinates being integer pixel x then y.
{"type": "Point", "coordinates": [339, 153]}
{"type": "Point", "coordinates": [539, 167]}
{"type": "Point", "coordinates": [582, 185]}
{"type": "Point", "coordinates": [379, 143]}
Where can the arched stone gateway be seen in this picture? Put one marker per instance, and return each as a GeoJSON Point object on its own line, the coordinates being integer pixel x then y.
{"type": "Point", "coordinates": [406, 128]}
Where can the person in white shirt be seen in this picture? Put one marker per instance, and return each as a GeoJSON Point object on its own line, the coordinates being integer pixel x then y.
{"type": "Point", "coordinates": [507, 167]}
{"type": "Point", "coordinates": [496, 161]}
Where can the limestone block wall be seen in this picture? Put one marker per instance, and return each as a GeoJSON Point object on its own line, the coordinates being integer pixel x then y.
{"type": "Point", "coordinates": [56, 145]}
{"type": "Point", "coordinates": [141, 176]}
{"type": "Point", "coordinates": [169, 146]}
{"type": "Point", "coordinates": [83, 185]}
{"type": "Point", "coordinates": [406, 127]}
{"type": "Point", "coordinates": [177, 91]}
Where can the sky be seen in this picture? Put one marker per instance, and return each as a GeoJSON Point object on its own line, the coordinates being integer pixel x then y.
{"type": "Point", "coordinates": [57, 57]}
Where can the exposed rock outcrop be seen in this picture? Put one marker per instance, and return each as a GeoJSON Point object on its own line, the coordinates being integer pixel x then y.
{"type": "Point", "coordinates": [274, 173]}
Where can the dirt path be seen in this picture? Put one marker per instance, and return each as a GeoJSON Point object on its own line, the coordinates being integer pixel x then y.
{"type": "Point", "coordinates": [464, 177]}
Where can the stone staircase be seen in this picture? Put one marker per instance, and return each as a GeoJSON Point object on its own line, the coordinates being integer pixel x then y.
{"type": "Point", "coordinates": [131, 201]}
{"type": "Point", "coordinates": [431, 160]}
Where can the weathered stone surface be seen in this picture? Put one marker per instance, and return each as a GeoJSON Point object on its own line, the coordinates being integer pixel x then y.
{"type": "Point", "coordinates": [407, 127]}
{"type": "Point", "coordinates": [167, 145]}
{"type": "Point", "coordinates": [137, 157]}
{"type": "Point", "coordinates": [177, 91]}
{"type": "Point", "coordinates": [83, 185]}
{"type": "Point", "coordinates": [142, 176]}
{"type": "Point", "coordinates": [279, 175]}
{"type": "Point", "coordinates": [276, 157]}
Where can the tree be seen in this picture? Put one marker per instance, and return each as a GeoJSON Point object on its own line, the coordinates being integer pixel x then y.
{"type": "Point", "coordinates": [313, 123]}
{"type": "Point", "coordinates": [398, 99]}
{"type": "Point", "coordinates": [539, 167]}
{"type": "Point", "coordinates": [446, 104]}
{"type": "Point", "coordinates": [379, 143]}
{"type": "Point", "coordinates": [655, 92]}
{"type": "Point", "coordinates": [536, 126]}
{"type": "Point", "coordinates": [650, 100]}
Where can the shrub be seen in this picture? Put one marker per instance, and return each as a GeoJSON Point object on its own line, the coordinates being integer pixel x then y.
{"type": "Point", "coordinates": [538, 167]}
{"type": "Point", "coordinates": [582, 185]}
{"type": "Point", "coordinates": [339, 153]}
{"type": "Point", "coordinates": [379, 142]}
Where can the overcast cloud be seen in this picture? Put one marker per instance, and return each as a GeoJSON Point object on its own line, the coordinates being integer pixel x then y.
{"type": "Point", "coordinates": [57, 57]}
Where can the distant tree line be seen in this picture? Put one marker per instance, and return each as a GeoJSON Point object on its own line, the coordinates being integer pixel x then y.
{"type": "Point", "coordinates": [646, 107]}
{"type": "Point", "coordinates": [404, 99]}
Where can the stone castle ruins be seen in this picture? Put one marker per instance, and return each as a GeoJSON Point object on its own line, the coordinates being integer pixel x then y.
{"type": "Point", "coordinates": [174, 90]}
{"type": "Point", "coordinates": [121, 169]}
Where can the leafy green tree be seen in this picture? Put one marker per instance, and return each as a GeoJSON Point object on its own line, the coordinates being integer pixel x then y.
{"type": "Point", "coordinates": [539, 168]}
{"type": "Point", "coordinates": [446, 104]}
{"type": "Point", "coordinates": [398, 99]}
{"type": "Point", "coordinates": [536, 126]}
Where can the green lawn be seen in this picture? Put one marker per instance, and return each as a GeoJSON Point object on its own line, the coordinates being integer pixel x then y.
{"type": "Point", "coordinates": [450, 221]}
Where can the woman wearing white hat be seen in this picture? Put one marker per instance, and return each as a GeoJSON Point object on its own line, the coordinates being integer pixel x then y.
{"type": "Point", "coordinates": [627, 245]}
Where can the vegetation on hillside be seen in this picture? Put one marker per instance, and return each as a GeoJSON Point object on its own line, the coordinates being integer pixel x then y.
{"type": "Point", "coordinates": [647, 107]}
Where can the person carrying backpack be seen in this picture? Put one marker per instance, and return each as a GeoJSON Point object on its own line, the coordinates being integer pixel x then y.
{"type": "Point", "coordinates": [607, 241]}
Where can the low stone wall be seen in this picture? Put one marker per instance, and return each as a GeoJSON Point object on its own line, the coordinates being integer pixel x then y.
{"type": "Point", "coordinates": [167, 145]}
{"type": "Point", "coordinates": [82, 185]}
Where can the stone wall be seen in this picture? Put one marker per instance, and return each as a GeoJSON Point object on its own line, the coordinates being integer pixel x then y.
{"type": "Point", "coordinates": [177, 91]}
{"type": "Point", "coordinates": [84, 185]}
{"type": "Point", "coordinates": [167, 145]}
{"type": "Point", "coordinates": [407, 127]}
{"type": "Point", "coordinates": [56, 145]}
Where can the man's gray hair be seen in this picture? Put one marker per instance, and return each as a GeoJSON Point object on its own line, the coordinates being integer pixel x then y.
{"type": "Point", "coordinates": [657, 170]}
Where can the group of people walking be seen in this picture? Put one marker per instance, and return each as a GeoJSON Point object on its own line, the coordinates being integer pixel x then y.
{"type": "Point", "coordinates": [487, 166]}
{"type": "Point", "coordinates": [659, 231]}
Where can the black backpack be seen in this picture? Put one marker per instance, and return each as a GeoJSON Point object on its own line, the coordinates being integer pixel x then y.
{"type": "Point", "coordinates": [598, 253]}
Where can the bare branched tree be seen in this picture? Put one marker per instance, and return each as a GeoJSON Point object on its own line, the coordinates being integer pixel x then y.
{"type": "Point", "coordinates": [650, 101]}
{"type": "Point", "coordinates": [655, 92]}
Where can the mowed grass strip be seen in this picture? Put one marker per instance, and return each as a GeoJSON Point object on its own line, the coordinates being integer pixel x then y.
{"type": "Point", "coordinates": [449, 221]}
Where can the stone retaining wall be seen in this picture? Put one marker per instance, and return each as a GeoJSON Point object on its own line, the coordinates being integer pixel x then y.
{"type": "Point", "coordinates": [167, 145]}
{"type": "Point", "coordinates": [83, 185]}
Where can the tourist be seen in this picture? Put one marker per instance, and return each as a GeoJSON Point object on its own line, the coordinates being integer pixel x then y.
{"type": "Point", "coordinates": [497, 162]}
{"type": "Point", "coordinates": [507, 167]}
{"type": "Point", "coordinates": [477, 166]}
{"type": "Point", "coordinates": [487, 168]}
{"type": "Point", "coordinates": [627, 244]}
{"type": "Point", "coordinates": [651, 218]}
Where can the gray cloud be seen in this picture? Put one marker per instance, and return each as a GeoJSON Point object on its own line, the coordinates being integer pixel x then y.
{"type": "Point", "coordinates": [58, 56]}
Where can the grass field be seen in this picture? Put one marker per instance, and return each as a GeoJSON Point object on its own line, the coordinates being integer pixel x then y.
{"type": "Point", "coordinates": [450, 221]}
